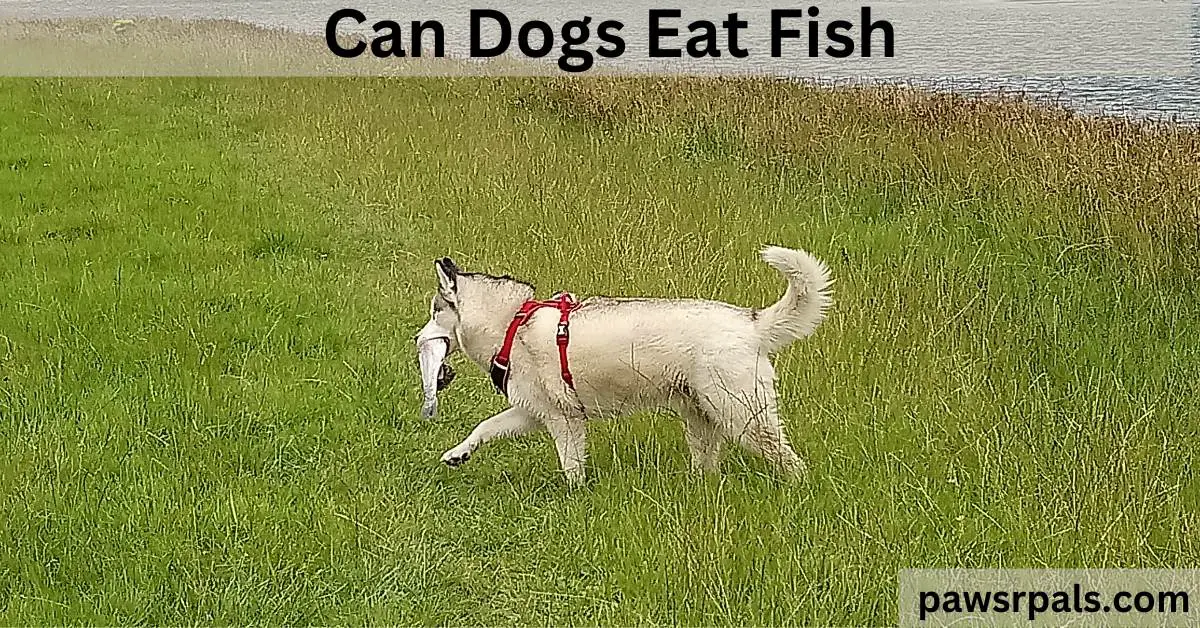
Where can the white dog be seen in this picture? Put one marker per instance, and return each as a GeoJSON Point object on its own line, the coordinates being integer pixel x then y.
{"type": "Point", "coordinates": [707, 360]}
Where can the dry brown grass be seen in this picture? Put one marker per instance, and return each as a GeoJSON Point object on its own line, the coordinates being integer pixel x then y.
{"type": "Point", "coordinates": [1133, 184]}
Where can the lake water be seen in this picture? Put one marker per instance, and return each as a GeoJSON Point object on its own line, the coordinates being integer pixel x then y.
{"type": "Point", "coordinates": [1139, 58]}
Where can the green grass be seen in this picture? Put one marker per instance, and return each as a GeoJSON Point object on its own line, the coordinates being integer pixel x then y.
{"type": "Point", "coordinates": [209, 399]}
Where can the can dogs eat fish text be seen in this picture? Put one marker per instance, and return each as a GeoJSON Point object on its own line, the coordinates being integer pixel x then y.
{"type": "Point", "coordinates": [579, 42]}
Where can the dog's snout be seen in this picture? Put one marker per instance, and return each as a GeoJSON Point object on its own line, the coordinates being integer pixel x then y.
{"type": "Point", "coordinates": [445, 375]}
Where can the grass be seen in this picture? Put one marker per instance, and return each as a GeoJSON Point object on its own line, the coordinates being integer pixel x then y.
{"type": "Point", "coordinates": [209, 398]}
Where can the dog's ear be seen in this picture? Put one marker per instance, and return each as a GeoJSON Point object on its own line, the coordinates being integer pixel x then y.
{"type": "Point", "coordinates": [447, 273]}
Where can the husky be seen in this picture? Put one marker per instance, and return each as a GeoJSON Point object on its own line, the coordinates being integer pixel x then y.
{"type": "Point", "coordinates": [706, 360]}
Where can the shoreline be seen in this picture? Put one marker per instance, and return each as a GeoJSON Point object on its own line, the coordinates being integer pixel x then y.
{"type": "Point", "coordinates": [115, 47]}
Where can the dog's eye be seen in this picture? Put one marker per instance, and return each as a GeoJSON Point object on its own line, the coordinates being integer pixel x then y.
{"type": "Point", "coordinates": [441, 304]}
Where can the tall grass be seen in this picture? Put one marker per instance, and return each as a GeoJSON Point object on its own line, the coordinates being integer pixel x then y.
{"type": "Point", "coordinates": [209, 400]}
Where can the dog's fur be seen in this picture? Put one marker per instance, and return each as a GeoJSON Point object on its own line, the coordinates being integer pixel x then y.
{"type": "Point", "coordinates": [707, 360]}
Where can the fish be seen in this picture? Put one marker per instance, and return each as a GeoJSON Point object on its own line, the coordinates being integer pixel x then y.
{"type": "Point", "coordinates": [436, 374]}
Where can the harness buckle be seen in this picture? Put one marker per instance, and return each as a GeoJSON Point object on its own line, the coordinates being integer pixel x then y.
{"type": "Point", "coordinates": [499, 375]}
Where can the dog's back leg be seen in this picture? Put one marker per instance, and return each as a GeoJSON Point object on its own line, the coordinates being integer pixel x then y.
{"type": "Point", "coordinates": [746, 409]}
{"type": "Point", "coordinates": [704, 437]}
{"type": "Point", "coordinates": [765, 436]}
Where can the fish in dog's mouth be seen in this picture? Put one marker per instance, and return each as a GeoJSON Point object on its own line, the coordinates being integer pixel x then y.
{"type": "Point", "coordinates": [436, 374]}
{"type": "Point", "coordinates": [444, 377]}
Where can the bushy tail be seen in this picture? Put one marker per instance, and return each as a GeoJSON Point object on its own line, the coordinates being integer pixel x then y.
{"type": "Point", "coordinates": [802, 307]}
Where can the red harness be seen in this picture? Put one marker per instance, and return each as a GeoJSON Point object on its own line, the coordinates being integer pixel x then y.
{"type": "Point", "coordinates": [566, 303]}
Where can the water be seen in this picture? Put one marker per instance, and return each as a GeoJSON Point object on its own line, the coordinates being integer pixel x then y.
{"type": "Point", "coordinates": [1138, 58]}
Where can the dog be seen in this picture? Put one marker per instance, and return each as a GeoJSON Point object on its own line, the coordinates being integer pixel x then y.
{"type": "Point", "coordinates": [708, 361]}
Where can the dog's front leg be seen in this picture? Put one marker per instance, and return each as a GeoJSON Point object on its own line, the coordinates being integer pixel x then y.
{"type": "Point", "coordinates": [510, 423]}
{"type": "Point", "coordinates": [570, 439]}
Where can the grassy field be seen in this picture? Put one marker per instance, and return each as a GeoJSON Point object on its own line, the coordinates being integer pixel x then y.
{"type": "Point", "coordinates": [209, 398]}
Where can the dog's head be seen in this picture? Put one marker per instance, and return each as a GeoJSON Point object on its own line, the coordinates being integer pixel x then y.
{"type": "Point", "coordinates": [443, 315]}
{"type": "Point", "coordinates": [472, 310]}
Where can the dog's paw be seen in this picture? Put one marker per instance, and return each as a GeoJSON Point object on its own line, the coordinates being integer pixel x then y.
{"type": "Point", "coordinates": [576, 477]}
{"type": "Point", "coordinates": [456, 456]}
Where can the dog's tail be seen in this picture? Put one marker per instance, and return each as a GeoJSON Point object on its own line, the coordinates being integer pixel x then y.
{"type": "Point", "coordinates": [802, 307]}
